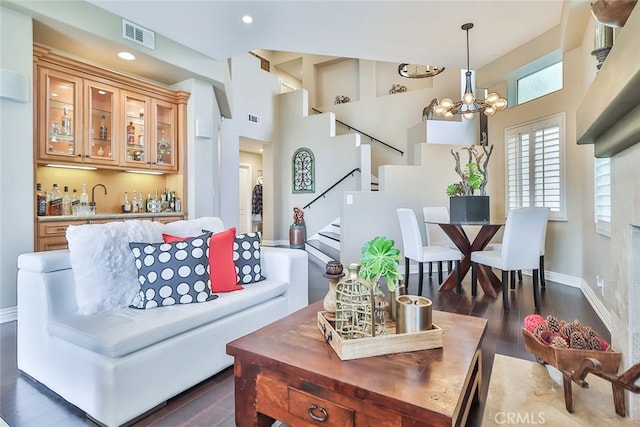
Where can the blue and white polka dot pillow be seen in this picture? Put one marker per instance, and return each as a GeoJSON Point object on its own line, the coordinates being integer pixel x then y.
{"type": "Point", "coordinates": [246, 256]}
{"type": "Point", "coordinates": [173, 273]}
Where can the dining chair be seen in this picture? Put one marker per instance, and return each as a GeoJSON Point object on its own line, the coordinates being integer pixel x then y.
{"type": "Point", "coordinates": [414, 249]}
{"type": "Point", "coordinates": [435, 236]}
{"type": "Point", "coordinates": [512, 280]}
{"type": "Point", "coordinates": [520, 250]}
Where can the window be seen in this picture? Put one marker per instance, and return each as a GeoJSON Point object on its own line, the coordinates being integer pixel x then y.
{"type": "Point", "coordinates": [539, 83]}
{"type": "Point", "coordinates": [535, 165]}
{"type": "Point", "coordinates": [602, 195]}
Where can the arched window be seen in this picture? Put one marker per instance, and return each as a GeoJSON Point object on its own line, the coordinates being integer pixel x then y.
{"type": "Point", "coordinates": [303, 171]}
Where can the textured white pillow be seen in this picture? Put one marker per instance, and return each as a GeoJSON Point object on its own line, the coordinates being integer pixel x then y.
{"type": "Point", "coordinates": [103, 266]}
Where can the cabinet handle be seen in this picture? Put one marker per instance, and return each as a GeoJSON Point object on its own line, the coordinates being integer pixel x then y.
{"type": "Point", "coordinates": [322, 418]}
{"type": "Point", "coordinates": [61, 228]}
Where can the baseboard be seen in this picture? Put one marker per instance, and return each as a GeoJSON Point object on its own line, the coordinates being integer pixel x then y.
{"type": "Point", "coordinates": [8, 314]}
{"type": "Point", "coordinates": [597, 305]}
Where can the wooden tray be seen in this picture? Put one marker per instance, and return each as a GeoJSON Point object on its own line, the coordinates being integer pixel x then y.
{"type": "Point", "coordinates": [569, 359]}
{"type": "Point", "coordinates": [383, 344]}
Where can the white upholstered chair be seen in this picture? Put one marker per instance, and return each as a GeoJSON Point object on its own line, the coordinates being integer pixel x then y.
{"type": "Point", "coordinates": [520, 249]}
{"type": "Point", "coordinates": [543, 283]}
{"type": "Point", "coordinates": [435, 235]}
{"type": "Point", "coordinates": [414, 249]}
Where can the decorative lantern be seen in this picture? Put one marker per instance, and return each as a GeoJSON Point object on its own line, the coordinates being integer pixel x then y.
{"type": "Point", "coordinates": [357, 314]}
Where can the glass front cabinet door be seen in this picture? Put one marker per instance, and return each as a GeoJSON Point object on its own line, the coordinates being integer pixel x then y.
{"type": "Point", "coordinates": [101, 124]}
{"type": "Point", "coordinates": [135, 131]}
{"type": "Point", "coordinates": [61, 130]}
{"type": "Point", "coordinates": [164, 145]}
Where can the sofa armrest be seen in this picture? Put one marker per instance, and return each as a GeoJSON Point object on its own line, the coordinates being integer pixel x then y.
{"type": "Point", "coordinates": [290, 266]}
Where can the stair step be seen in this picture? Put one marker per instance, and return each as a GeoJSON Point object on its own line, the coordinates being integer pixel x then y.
{"type": "Point", "coordinates": [325, 249]}
{"type": "Point", "coordinates": [330, 235]}
{"type": "Point", "coordinates": [335, 224]}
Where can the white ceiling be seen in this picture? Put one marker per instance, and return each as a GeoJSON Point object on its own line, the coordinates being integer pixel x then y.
{"type": "Point", "coordinates": [422, 32]}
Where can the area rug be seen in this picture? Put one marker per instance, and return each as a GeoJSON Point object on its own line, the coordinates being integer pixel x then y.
{"type": "Point", "coordinates": [525, 393]}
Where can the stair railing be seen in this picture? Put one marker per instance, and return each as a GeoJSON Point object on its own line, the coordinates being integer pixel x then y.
{"type": "Point", "coordinates": [351, 128]}
{"type": "Point", "coordinates": [351, 173]}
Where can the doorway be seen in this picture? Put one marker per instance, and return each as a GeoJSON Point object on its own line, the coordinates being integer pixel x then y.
{"type": "Point", "coordinates": [245, 187]}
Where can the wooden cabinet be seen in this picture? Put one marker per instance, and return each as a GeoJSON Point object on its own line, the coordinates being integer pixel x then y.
{"type": "Point", "coordinates": [59, 106]}
{"type": "Point", "coordinates": [85, 114]}
{"type": "Point", "coordinates": [51, 233]}
{"type": "Point", "coordinates": [100, 134]}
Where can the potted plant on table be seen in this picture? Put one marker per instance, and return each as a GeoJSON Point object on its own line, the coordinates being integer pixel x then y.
{"type": "Point", "coordinates": [465, 204]}
{"type": "Point", "coordinates": [380, 258]}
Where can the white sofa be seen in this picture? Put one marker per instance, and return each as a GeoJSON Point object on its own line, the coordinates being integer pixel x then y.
{"type": "Point", "coordinates": [118, 365]}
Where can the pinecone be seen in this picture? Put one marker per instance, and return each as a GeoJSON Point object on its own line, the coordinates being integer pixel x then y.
{"type": "Point", "coordinates": [559, 342]}
{"type": "Point", "coordinates": [569, 329]}
{"type": "Point", "coordinates": [553, 324]}
{"type": "Point", "coordinates": [578, 341]}
{"type": "Point", "coordinates": [593, 343]}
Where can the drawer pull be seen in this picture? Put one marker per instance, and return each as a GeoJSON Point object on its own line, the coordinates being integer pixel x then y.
{"type": "Point", "coordinates": [321, 418]}
{"type": "Point", "coordinates": [327, 337]}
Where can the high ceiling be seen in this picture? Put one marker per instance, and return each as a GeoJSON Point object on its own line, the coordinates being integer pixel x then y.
{"type": "Point", "coordinates": [422, 32]}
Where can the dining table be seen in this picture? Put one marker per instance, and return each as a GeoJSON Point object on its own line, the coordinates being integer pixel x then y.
{"type": "Point", "coordinates": [455, 230]}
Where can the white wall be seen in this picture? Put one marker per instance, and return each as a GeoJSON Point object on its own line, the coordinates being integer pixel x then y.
{"type": "Point", "coordinates": [252, 91]}
{"type": "Point", "coordinates": [334, 157]}
{"type": "Point", "coordinates": [16, 154]}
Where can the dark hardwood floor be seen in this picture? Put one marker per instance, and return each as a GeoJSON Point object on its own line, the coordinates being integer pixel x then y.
{"type": "Point", "coordinates": [25, 403]}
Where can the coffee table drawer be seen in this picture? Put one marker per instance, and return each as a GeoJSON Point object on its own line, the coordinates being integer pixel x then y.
{"type": "Point", "coordinates": [316, 410]}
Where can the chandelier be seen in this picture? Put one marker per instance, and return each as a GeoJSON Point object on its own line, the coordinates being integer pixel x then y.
{"type": "Point", "coordinates": [469, 104]}
{"type": "Point", "coordinates": [413, 71]}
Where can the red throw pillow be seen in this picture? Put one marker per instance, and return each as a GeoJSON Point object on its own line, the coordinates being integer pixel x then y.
{"type": "Point", "coordinates": [221, 265]}
{"type": "Point", "coordinates": [222, 269]}
{"type": "Point", "coordinates": [168, 238]}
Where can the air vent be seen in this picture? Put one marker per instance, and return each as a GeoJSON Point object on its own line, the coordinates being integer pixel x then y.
{"type": "Point", "coordinates": [138, 34]}
{"type": "Point", "coordinates": [254, 119]}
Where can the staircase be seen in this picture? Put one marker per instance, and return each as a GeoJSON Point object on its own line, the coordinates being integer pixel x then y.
{"type": "Point", "coordinates": [325, 244]}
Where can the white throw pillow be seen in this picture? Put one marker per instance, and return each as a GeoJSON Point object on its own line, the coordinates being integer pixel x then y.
{"type": "Point", "coordinates": [194, 227]}
{"type": "Point", "coordinates": [103, 267]}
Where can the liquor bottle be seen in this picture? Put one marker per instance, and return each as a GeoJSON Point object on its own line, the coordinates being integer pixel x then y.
{"type": "Point", "coordinates": [178, 204]}
{"type": "Point", "coordinates": [66, 202]}
{"type": "Point", "coordinates": [103, 128]}
{"type": "Point", "coordinates": [126, 205]}
{"type": "Point", "coordinates": [75, 199]}
{"type": "Point", "coordinates": [131, 133]}
{"type": "Point", "coordinates": [141, 202]}
{"type": "Point", "coordinates": [66, 122]}
{"type": "Point", "coordinates": [41, 201]}
{"type": "Point", "coordinates": [149, 202]}
{"type": "Point", "coordinates": [84, 197]}
{"type": "Point", "coordinates": [172, 202]}
{"type": "Point", "coordinates": [135, 207]}
{"type": "Point", "coordinates": [55, 206]}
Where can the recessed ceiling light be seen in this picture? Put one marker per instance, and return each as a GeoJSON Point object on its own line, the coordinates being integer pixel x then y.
{"type": "Point", "coordinates": [247, 19]}
{"type": "Point", "coordinates": [102, 92]}
{"type": "Point", "coordinates": [126, 56]}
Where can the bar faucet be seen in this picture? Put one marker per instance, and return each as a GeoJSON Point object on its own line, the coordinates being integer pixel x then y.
{"type": "Point", "coordinates": [93, 193]}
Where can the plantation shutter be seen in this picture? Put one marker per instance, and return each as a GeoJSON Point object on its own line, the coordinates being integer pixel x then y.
{"type": "Point", "coordinates": [602, 196]}
{"type": "Point", "coordinates": [535, 166]}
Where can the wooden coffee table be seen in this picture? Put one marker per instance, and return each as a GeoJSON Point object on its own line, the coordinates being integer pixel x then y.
{"type": "Point", "coordinates": [285, 371]}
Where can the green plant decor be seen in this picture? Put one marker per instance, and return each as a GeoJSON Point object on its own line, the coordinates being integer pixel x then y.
{"type": "Point", "coordinates": [380, 259]}
{"type": "Point", "coordinates": [474, 174]}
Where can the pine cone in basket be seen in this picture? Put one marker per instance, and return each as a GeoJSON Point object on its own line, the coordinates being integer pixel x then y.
{"type": "Point", "coordinates": [553, 323]}
{"type": "Point", "coordinates": [559, 342]}
{"type": "Point", "coordinates": [578, 341]}
{"type": "Point", "coordinates": [569, 329]}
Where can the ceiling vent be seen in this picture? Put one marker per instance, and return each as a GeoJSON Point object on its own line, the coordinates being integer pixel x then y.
{"type": "Point", "coordinates": [254, 119]}
{"type": "Point", "coordinates": [138, 34]}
